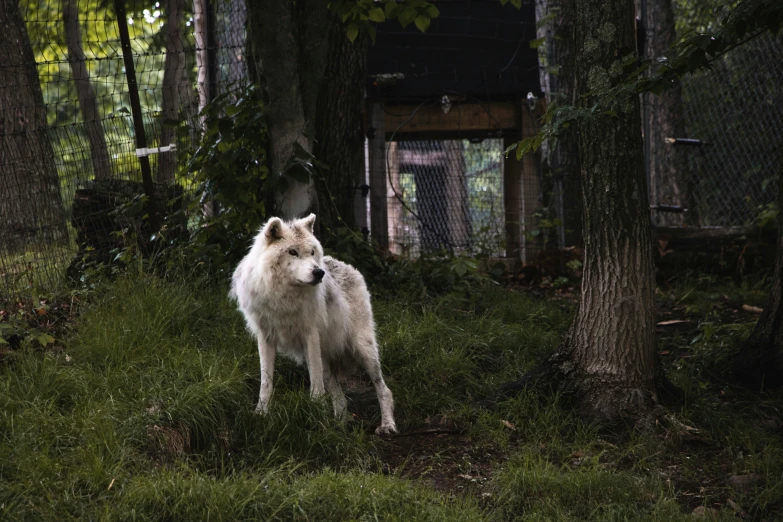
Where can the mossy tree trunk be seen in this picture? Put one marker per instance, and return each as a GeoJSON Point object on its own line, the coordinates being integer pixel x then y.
{"type": "Point", "coordinates": [340, 140]}
{"type": "Point", "coordinates": [608, 356]}
{"type": "Point", "coordinates": [288, 41]}
{"type": "Point", "coordinates": [607, 361]}
{"type": "Point", "coordinates": [318, 107]}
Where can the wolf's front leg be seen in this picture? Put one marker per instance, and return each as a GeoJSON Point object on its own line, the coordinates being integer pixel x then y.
{"type": "Point", "coordinates": [315, 365]}
{"type": "Point", "coordinates": [266, 353]}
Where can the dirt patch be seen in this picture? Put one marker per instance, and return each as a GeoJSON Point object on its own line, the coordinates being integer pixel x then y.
{"type": "Point", "coordinates": [446, 460]}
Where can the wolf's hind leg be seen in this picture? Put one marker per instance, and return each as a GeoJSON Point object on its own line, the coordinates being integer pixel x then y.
{"type": "Point", "coordinates": [369, 358]}
{"type": "Point", "coordinates": [339, 401]}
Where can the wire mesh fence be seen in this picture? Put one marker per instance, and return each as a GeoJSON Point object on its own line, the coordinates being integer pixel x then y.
{"type": "Point", "coordinates": [447, 196]}
{"type": "Point", "coordinates": [732, 119]}
{"type": "Point", "coordinates": [66, 130]}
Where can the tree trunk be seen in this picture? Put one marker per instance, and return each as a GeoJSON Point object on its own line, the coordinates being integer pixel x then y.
{"type": "Point", "coordinates": [759, 363]}
{"type": "Point", "coordinates": [202, 52]}
{"type": "Point", "coordinates": [668, 165]}
{"type": "Point", "coordinates": [288, 41]}
{"type": "Point", "coordinates": [84, 91]}
{"type": "Point", "coordinates": [30, 203]}
{"type": "Point", "coordinates": [173, 75]}
{"type": "Point", "coordinates": [607, 360]}
{"type": "Point", "coordinates": [338, 125]}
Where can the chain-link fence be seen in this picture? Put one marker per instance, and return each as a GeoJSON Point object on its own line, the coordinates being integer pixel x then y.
{"type": "Point", "coordinates": [731, 120]}
{"type": "Point", "coordinates": [447, 196]}
{"type": "Point", "coordinates": [68, 141]}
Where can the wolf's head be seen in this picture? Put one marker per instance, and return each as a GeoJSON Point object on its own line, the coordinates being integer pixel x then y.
{"type": "Point", "coordinates": [291, 251]}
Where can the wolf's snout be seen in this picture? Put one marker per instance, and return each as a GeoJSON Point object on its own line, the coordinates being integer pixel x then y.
{"type": "Point", "coordinates": [318, 275]}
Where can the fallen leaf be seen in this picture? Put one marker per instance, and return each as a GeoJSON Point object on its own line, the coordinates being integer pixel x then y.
{"type": "Point", "coordinates": [672, 321]}
{"type": "Point", "coordinates": [508, 425]}
{"type": "Point", "coordinates": [752, 309]}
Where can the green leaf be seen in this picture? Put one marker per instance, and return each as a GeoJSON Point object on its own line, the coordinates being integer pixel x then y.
{"type": "Point", "coordinates": [422, 22]}
{"type": "Point", "coordinates": [376, 14]}
{"type": "Point", "coordinates": [3, 341]}
{"type": "Point", "coordinates": [44, 339]}
{"type": "Point", "coordinates": [390, 9]}
{"type": "Point", "coordinates": [405, 16]}
{"type": "Point", "coordinates": [352, 32]}
{"type": "Point", "coordinates": [432, 11]}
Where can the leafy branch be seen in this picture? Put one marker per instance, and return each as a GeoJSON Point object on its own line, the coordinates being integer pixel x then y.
{"type": "Point", "coordinates": [361, 15]}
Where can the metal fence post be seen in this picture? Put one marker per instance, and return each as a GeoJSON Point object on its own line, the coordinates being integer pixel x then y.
{"type": "Point", "coordinates": [138, 122]}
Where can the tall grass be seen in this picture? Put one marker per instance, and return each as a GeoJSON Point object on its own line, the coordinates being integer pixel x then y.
{"type": "Point", "coordinates": [146, 414]}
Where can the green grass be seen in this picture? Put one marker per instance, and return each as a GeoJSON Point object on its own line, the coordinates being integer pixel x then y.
{"type": "Point", "coordinates": [145, 413]}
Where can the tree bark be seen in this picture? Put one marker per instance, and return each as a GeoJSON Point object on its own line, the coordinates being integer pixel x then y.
{"type": "Point", "coordinates": [338, 126]}
{"type": "Point", "coordinates": [202, 52]}
{"type": "Point", "coordinates": [173, 75]}
{"type": "Point", "coordinates": [30, 203]}
{"type": "Point", "coordinates": [667, 162]}
{"type": "Point", "coordinates": [759, 363]}
{"type": "Point", "coordinates": [288, 42]}
{"type": "Point", "coordinates": [88, 103]}
{"type": "Point", "coordinates": [607, 360]}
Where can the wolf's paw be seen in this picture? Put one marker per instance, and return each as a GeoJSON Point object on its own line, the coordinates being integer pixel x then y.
{"type": "Point", "coordinates": [261, 409]}
{"type": "Point", "coordinates": [386, 429]}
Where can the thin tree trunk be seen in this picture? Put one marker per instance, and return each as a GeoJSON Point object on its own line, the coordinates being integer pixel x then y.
{"type": "Point", "coordinates": [340, 141]}
{"type": "Point", "coordinates": [174, 72]}
{"type": "Point", "coordinates": [202, 52]}
{"type": "Point", "coordinates": [88, 103]}
{"type": "Point", "coordinates": [759, 363]}
{"type": "Point", "coordinates": [30, 203]}
{"type": "Point", "coordinates": [667, 163]}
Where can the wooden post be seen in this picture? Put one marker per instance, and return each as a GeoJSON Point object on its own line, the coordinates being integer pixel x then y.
{"type": "Point", "coordinates": [457, 199]}
{"type": "Point", "coordinates": [379, 223]}
{"type": "Point", "coordinates": [393, 204]}
{"type": "Point", "coordinates": [530, 185]}
{"type": "Point", "coordinates": [361, 194]}
{"type": "Point", "coordinates": [512, 201]}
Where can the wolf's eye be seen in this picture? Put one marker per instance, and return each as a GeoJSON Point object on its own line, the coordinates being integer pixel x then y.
{"type": "Point", "coordinates": [293, 252]}
{"type": "Point", "coordinates": [312, 253]}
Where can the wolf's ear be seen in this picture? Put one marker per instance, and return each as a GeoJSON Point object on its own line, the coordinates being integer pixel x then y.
{"type": "Point", "coordinates": [308, 222]}
{"type": "Point", "coordinates": [273, 230]}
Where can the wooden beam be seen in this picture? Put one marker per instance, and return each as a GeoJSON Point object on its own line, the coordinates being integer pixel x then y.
{"type": "Point", "coordinates": [379, 224]}
{"type": "Point", "coordinates": [490, 116]}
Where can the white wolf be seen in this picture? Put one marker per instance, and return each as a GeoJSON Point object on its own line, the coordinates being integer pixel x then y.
{"type": "Point", "coordinates": [311, 308]}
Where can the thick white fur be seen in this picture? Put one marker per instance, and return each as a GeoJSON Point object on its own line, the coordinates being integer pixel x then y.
{"type": "Point", "coordinates": [327, 325]}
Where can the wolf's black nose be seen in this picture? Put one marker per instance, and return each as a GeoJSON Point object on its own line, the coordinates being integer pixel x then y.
{"type": "Point", "coordinates": [318, 274]}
